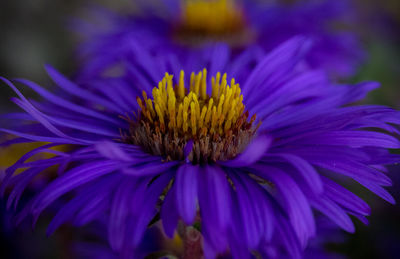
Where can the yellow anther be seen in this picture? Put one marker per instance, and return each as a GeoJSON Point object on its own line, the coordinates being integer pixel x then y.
{"type": "Point", "coordinates": [197, 83]}
{"type": "Point", "coordinates": [171, 110]}
{"type": "Point", "coordinates": [238, 90]}
{"type": "Point", "coordinates": [228, 102]}
{"type": "Point", "coordinates": [144, 96]}
{"type": "Point", "coordinates": [217, 85]}
{"type": "Point", "coordinates": [160, 114]}
{"type": "Point", "coordinates": [190, 97]}
{"type": "Point", "coordinates": [148, 115]}
{"type": "Point", "coordinates": [221, 120]}
{"type": "Point", "coordinates": [203, 88]}
{"type": "Point", "coordinates": [222, 88]}
{"type": "Point", "coordinates": [209, 111]}
{"type": "Point", "coordinates": [163, 85]}
{"type": "Point", "coordinates": [185, 103]}
{"type": "Point", "coordinates": [172, 107]}
{"type": "Point", "coordinates": [160, 103]}
{"type": "Point", "coordinates": [194, 97]}
{"type": "Point", "coordinates": [150, 107]}
{"type": "Point", "coordinates": [220, 103]}
{"type": "Point", "coordinates": [197, 106]}
{"type": "Point", "coordinates": [191, 86]}
{"type": "Point", "coordinates": [139, 101]}
{"type": "Point", "coordinates": [214, 119]}
{"type": "Point", "coordinates": [233, 110]}
{"type": "Point", "coordinates": [213, 88]}
{"type": "Point", "coordinates": [179, 118]}
{"type": "Point", "coordinates": [185, 122]}
{"type": "Point", "coordinates": [181, 85]}
{"type": "Point", "coordinates": [202, 116]}
{"type": "Point", "coordinates": [168, 85]}
{"type": "Point", "coordinates": [227, 125]}
{"type": "Point", "coordinates": [193, 117]}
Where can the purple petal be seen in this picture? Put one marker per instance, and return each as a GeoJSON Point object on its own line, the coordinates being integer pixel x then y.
{"type": "Point", "coordinates": [254, 151]}
{"type": "Point", "coordinates": [378, 190]}
{"type": "Point", "coordinates": [169, 212]}
{"type": "Point", "coordinates": [299, 210]}
{"type": "Point", "coordinates": [345, 198]}
{"type": "Point", "coordinates": [334, 212]}
{"type": "Point", "coordinates": [307, 171]}
{"type": "Point", "coordinates": [42, 138]}
{"type": "Point", "coordinates": [65, 103]}
{"type": "Point", "coordinates": [75, 90]}
{"type": "Point", "coordinates": [70, 180]}
{"type": "Point", "coordinates": [214, 202]}
{"type": "Point", "coordinates": [249, 216]}
{"type": "Point", "coordinates": [76, 204]}
{"type": "Point", "coordinates": [19, 188]}
{"type": "Point", "coordinates": [282, 59]}
{"type": "Point", "coordinates": [354, 170]}
{"type": "Point", "coordinates": [28, 107]}
{"type": "Point", "coordinates": [119, 211]}
{"type": "Point", "coordinates": [20, 163]}
{"type": "Point", "coordinates": [147, 210]}
{"type": "Point", "coordinates": [186, 192]}
{"type": "Point", "coordinates": [112, 151]}
{"type": "Point", "coordinates": [353, 139]}
{"type": "Point", "coordinates": [150, 169]}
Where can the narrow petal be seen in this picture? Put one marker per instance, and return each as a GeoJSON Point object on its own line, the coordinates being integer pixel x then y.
{"type": "Point", "coordinates": [299, 210]}
{"type": "Point", "coordinates": [169, 212]}
{"type": "Point", "coordinates": [70, 180]}
{"type": "Point", "coordinates": [214, 201]}
{"type": "Point", "coordinates": [119, 211]}
{"type": "Point", "coordinates": [75, 90]}
{"type": "Point", "coordinates": [345, 198]}
{"type": "Point", "coordinates": [186, 192]}
{"type": "Point", "coordinates": [334, 212]}
{"type": "Point", "coordinates": [112, 151]}
{"type": "Point", "coordinates": [307, 171]}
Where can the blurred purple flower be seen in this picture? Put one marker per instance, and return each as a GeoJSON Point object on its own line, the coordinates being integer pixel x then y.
{"type": "Point", "coordinates": [259, 196]}
{"type": "Point", "coordinates": [165, 26]}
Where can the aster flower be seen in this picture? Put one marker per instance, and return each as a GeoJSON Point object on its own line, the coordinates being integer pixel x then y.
{"type": "Point", "coordinates": [249, 163]}
{"type": "Point", "coordinates": [181, 26]}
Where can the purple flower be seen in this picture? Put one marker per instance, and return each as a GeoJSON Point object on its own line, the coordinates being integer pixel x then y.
{"type": "Point", "coordinates": [250, 164]}
{"type": "Point", "coordinates": [184, 26]}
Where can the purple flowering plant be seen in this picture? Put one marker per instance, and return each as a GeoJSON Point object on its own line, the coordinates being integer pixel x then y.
{"type": "Point", "coordinates": [247, 162]}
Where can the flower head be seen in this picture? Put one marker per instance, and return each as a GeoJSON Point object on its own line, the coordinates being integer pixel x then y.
{"type": "Point", "coordinates": [212, 128]}
{"type": "Point", "coordinates": [251, 185]}
{"type": "Point", "coordinates": [182, 26]}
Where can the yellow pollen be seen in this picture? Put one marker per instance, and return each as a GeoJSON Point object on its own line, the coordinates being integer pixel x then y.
{"type": "Point", "coordinates": [190, 110]}
{"type": "Point", "coordinates": [212, 16]}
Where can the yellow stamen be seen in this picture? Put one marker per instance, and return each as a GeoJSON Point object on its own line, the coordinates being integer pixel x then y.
{"type": "Point", "coordinates": [181, 85]}
{"type": "Point", "coordinates": [196, 112]}
{"type": "Point", "coordinates": [203, 90]}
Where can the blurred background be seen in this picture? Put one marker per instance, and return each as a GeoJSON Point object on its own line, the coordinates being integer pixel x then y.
{"type": "Point", "coordinates": [34, 33]}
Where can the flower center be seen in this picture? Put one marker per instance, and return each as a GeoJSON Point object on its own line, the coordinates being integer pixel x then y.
{"type": "Point", "coordinates": [211, 20]}
{"type": "Point", "coordinates": [180, 122]}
